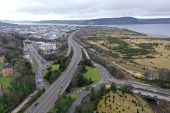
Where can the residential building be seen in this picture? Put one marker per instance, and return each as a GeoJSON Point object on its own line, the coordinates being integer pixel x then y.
{"type": "Point", "coordinates": [2, 59]}
{"type": "Point", "coordinates": [7, 70]}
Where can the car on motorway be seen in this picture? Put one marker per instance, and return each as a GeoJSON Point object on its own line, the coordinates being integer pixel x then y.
{"type": "Point", "coordinates": [36, 104]}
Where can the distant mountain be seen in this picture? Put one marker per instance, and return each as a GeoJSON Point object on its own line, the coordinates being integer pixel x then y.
{"type": "Point", "coordinates": [5, 24]}
{"type": "Point", "coordinates": [62, 21]}
{"type": "Point", "coordinates": [110, 21]}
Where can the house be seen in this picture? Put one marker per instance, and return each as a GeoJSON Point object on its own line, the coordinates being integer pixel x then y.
{"type": "Point", "coordinates": [2, 59]}
{"type": "Point", "coordinates": [7, 70]}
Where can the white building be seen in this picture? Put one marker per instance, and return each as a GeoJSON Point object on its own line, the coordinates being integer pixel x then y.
{"type": "Point", "coordinates": [46, 47]}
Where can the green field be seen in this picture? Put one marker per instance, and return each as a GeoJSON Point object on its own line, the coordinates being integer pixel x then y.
{"type": "Point", "coordinates": [92, 73]}
{"type": "Point", "coordinates": [54, 67]}
{"type": "Point", "coordinates": [5, 81]}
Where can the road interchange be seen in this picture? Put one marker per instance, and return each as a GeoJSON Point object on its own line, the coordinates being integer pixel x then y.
{"type": "Point", "coordinates": [43, 104]}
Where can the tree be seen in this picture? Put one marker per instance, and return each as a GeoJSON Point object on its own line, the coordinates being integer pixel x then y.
{"type": "Point", "coordinates": [81, 80]}
{"type": "Point", "coordinates": [113, 87]}
{"type": "Point", "coordinates": [21, 85]}
{"type": "Point", "coordinates": [125, 89]}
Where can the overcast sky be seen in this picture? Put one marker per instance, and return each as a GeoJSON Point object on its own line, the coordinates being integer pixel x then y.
{"type": "Point", "coordinates": [82, 9]}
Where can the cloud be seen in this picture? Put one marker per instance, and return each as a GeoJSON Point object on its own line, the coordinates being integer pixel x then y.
{"type": "Point", "coordinates": [83, 9]}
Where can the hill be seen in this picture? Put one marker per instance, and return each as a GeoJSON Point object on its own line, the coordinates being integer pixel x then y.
{"type": "Point", "coordinates": [5, 24]}
{"type": "Point", "coordinates": [110, 21]}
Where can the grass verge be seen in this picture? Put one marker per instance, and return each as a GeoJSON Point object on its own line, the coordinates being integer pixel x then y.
{"type": "Point", "coordinates": [54, 67]}
{"type": "Point", "coordinates": [92, 73]}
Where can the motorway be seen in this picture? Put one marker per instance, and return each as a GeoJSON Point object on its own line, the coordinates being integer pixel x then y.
{"type": "Point", "coordinates": [43, 104]}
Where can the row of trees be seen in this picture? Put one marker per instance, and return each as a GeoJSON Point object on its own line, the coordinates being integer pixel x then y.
{"type": "Point", "coordinates": [11, 46]}
{"type": "Point", "coordinates": [21, 85]}
{"type": "Point", "coordinates": [23, 80]}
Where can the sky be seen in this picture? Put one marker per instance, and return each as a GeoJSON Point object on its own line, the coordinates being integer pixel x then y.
{"type": "Point", "coordinates": [82, 9]}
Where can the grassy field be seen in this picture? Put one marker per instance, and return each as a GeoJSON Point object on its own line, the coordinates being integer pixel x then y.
{"type": "Point", "coordinates": [161, 59]}
{"type": "Point", "coordinates": [54, 67]}
{"type": "Point", "coordinates": [119, 103]}
{"type": "Point", "coordinates": [5, 81]}
{"type": "Point", "coordinates": [92, 73]}
{"type": "Point", "coordinates": [142, 49]}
